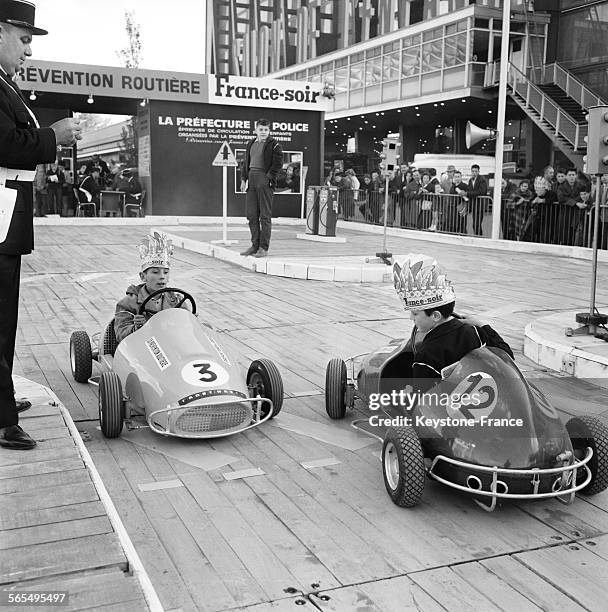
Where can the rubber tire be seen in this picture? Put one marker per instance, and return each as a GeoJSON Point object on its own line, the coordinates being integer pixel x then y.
{"type": "Point", "coordinates": [109, 344]}
{"type": "Point", "coordinates": [335, 388]}
{"type": "Point", "coordinates": [81, 356]}
{"type": "Point", "coordinates": [590, 431]}
{"type": "Point", "coordinates": [272, 383]}
{"type": "Point", "coordinates": [110, 405]}
{"type": "Point", "coordinates": [412, 474]}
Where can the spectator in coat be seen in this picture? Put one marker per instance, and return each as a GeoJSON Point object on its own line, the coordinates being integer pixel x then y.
{"type": "Point", "coordinates": [460, 214]}
{"type": "Point", "coordinates": [127, 182]}
{"type": "Point", "coordinates": [89, 189]}
{"type": "Point", "coordinates": [55, 179]}
{"type": "Point", "coordinates": [411, 195]}
{"type": "Point", "coordinates": [544, 212]}
{"type": "Point", "coordinates": [476, 188]}
{"type": "Point", "coordinates": [568, 193]}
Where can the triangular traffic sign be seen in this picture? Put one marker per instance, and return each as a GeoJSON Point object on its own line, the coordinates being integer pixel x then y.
{"type": "Point", "coordinates": [225, 156]}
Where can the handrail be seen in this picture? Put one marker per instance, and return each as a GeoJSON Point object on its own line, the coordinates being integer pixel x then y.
{"type": "Point", "coordinates": [574, 87]}
{"type": "Point", "coordinates": [548, 110]}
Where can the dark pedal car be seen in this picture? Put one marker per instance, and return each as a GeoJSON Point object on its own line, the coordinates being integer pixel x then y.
{"type": "Point", "coordinates": [174, 375]}
{"type": "Point", "coordinates": [510, 445]}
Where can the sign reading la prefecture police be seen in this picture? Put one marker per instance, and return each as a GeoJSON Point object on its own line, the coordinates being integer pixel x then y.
{"type": "Point", "coordinates": [263, 92]}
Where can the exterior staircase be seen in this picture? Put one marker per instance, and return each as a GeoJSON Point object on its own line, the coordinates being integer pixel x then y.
{"type": "Point", "coordinates": [555, 100]}
{"type": "Point", "coordinates": [570, 105]}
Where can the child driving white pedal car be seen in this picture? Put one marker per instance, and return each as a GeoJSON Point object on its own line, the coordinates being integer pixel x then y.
{"type": "Point", "coordinates": [155, 253]}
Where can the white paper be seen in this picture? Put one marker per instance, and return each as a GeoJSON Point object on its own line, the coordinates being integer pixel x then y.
{"type": "Point", "coordinates": [8, 197]}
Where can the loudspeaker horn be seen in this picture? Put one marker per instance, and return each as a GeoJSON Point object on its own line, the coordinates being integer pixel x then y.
{"type": "Point", "coordinates": [474, 134]}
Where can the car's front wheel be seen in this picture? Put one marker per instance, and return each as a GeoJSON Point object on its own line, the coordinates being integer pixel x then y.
{"type": "Point", "coordinates": [81, 356]}
{"type": "Point", "coordinates": [264, 380]}
{"type": "Point", "coordinates": [403, 466]}
{"type": "Point", "coordinates": [584, 432]}
{"type": "Point", "coordinates": [110, 405]}
{"type": "Point", "coordinates": [335, 389]}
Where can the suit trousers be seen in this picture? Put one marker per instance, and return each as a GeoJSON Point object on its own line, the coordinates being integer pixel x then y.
{"type": "Point", "coordinates": [10, 269]}
{"type": "Point", "coordinates": [258, 208]}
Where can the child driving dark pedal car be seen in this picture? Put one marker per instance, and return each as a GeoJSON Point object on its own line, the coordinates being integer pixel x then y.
{"type": "Point", "coordinates": [439, 338]}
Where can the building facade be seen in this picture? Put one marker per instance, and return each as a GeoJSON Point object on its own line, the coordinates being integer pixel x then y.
{"type": "Point", "coordinates": [423, 68]}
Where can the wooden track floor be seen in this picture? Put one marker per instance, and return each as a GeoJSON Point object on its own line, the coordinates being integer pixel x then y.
{"type": "Point", "coordinates": [324, 537]}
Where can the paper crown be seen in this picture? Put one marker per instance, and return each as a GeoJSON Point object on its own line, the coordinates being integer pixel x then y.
{"type": "Point", "coordinates": [539, 182]}
{"type": "Point", "coordinates": [420, 283]}
{"type": "Point", "coordinates": [155, 251]}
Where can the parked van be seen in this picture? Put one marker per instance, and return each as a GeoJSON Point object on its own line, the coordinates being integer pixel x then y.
{"type": "Point", "coordinates": [440, 162]}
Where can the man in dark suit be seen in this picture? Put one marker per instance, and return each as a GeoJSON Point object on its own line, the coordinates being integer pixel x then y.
{"type": "Point", "coordinates": [477, 186]}
{"type": "Point", "coordinates": [23, 145]}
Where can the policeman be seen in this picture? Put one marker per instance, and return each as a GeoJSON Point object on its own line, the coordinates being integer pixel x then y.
{"type": "Point", "coordinates": [23, 145]}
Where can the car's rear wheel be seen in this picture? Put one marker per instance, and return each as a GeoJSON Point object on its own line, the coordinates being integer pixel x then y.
{"type": "Point", "coordinates": [81, 356]}
{"type": "Point", "coordinates": [335, 388]}
{"type": "Point", "coordinates": [584, 432]}
{"type": "Point", "coordinates": [110, 405]}
{"type": "Point", "coordinates": [264, 379]}
{"type": "Point", "coordinates": [109, 344]}
{"type": "Point", "coordinates": [403, 466]}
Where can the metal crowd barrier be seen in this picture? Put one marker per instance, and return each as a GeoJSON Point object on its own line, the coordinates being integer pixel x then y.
{"type": "Point", "coordinates": [543, 223]}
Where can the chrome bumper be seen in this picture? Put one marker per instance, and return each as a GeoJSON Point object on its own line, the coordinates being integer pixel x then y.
{"type": "Point", "coordinates": [564, 484]}
{"type": "Point", "coordinates": [173, 411]}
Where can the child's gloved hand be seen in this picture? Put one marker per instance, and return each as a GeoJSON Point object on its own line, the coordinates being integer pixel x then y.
{"type": "Point", "coordinates": [138, 320]}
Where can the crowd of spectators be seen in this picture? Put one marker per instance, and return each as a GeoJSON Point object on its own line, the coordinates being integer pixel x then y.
{"type": "Point", "coordinates": [59, 192]}
{"type": "Point", "coordinates": [555, 207]}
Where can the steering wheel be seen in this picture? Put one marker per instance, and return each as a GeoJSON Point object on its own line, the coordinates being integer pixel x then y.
{"type": "Point", "coordinates": [187, 296]}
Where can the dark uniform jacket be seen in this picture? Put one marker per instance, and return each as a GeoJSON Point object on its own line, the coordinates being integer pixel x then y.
{"type": "Point", "coordinates": [446, 344]}
{"type": "Point", "coordinates": [22, 147]}
{"type": "Point", "coordinates": [273, 159]}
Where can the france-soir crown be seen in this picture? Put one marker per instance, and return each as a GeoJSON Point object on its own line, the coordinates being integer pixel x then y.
{"type": "Point", "coordinates": [421, 283]}
{"type": "Point", "coordinates": [155, 251]}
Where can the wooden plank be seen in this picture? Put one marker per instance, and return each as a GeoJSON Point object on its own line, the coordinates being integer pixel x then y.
{"type": "Point", "coordinates": [43, 452]}
{"type": "Point", "coordinates": [40, 534]}
{"type": "Point", "coordinates": [582, 571]}
{"type": "Point", "coordinates": [598, 545]}
{"type": "Point", "coordinates": [41, 467]}
{"type": "Point", "coordinates": [531, 585]}
{"type": "Point", "coordinates": [44, 423]}
{"type": "Point", "coordinates": [50, 497]}
{"type": "Point", "coordinates": [39, 482]}
{"type": "Point", "coordinates": [64, 557]}
{"type": "Point", "coordinates": [88, 590]}
{"type": "Point", "coordinates": [390, 595]}
{"type": "Point", "coordinates": [25, 517]}
{"type": "Point", "coordinates": [495, 588]}
{"type": "Point", "coordinates": [283, 605]}
{"type": "Point", "coordinates": [578, 520]}
{"type": "Point", "coordinates": [453, 593]}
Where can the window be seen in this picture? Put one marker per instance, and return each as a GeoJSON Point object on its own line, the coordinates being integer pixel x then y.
{"type": "Point", "coordinates": [455, 50]}
{"type": "Point", "coordinates": [356, 75]}
{"type": "Point", "coordinates": [390, 67]}
{"type": "Point", "coordinates": [373, 71]}
{"type": "Point", "coordinates": [410, 61]}
{"type": "Point", "coordinates": [432, 56]}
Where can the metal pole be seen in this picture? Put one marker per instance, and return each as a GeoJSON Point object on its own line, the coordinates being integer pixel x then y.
{"type": "Point", "coordinates": [385, 213]}
{"type": "Point", "coordinates": [225, 204]}
{"type": "Point", "coordinates": [596, 228]}
{"type": "Point", "coordinates": [500, 118]}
